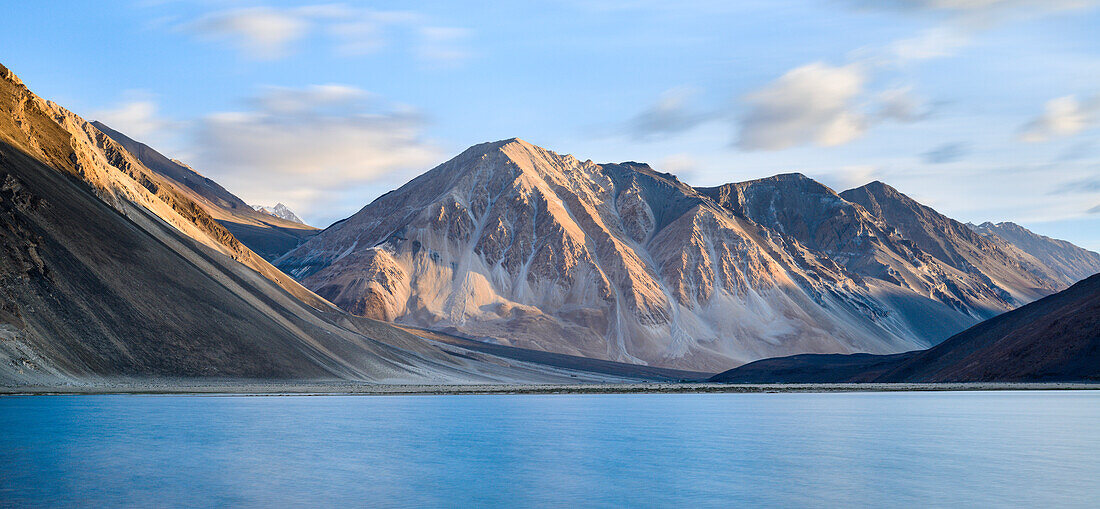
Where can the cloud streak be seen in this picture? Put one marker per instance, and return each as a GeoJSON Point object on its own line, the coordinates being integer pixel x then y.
{"type": "Point", "coordinates": [947, 153]}
{"type": "Point", "coordinates": [671, 114]}
{"type": "Point", "coordinates": [139, 117]}
{"type": "Point", "coordinates": [271, 33]}
{"type": "Point", "coordinates": [980, 12]}
{"type": "Point", "coordinates": [263, 33]}
{"type": "Point", "coordinates": [812, 104]}
{"type": "Point", "coordinates": [307, 146]}
{"type": "Point", "coordinates": [938, 42]}
{"type": "Point", "coordinates": [1062, 116]}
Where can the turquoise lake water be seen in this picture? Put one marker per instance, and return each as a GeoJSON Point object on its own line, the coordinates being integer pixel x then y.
{"type": "Point", "coordinates": [941, 449]}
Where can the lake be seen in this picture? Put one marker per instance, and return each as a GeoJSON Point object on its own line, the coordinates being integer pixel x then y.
{"type": "Point", "coordinates": [940, 449]}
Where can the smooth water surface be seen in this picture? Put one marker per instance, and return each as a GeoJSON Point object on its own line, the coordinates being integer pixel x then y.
{"type": "Point", "coordinates": [946, 449]}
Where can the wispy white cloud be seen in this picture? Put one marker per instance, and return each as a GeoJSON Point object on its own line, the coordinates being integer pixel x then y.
{"type": "Point", "coordinates": [138, 116]}
{"type": "Point", "coordinates": [310, 146]}
{"type": "Point", "coordinates": [1062, 116]}
{"type": "Point", "coordinates": [313, 100]}
{"type": "Point", "coordinates": [901, 105]}
{"type": "Point", "coordinates": [812, 104]}
{"type": "Point", "coordinates": [261, 32]}
{"type": "Point", "coordinates": [823, 105]}
{"type": "Point", "coordinates": [947, 153]}
{"type": "Point", "coordinates": [444, 46]}
{"type": "Point", "coordinates": [672, 113]}
{"type": "Point", "coordinates": [270, 33]}
{"type": "Point", "coordinates": [937, 42]}
{"type": "Point", "coordinates": [362, 31]}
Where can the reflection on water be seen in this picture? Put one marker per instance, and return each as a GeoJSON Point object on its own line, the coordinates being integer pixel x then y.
{"type": "Point", "coordinates": [698, 450]}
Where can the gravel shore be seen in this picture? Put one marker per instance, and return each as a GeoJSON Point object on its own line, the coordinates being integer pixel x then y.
{"type": "Point", "coordinates": [258, 388]}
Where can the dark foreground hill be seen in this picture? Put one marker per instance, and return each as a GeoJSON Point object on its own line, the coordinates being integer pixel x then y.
{"type": "Point", "coordinates": [1056, 338]}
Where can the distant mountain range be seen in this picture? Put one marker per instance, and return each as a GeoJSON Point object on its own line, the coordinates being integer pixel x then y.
{"type": "Point", "coordinates": [517, 245]}
{"type": "Point", "coordinates": [280, 211]}
{"type": "Point", "coordinates": [1053, 339]}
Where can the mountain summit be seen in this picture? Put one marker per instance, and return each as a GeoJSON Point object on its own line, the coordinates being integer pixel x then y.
{"type": "Point", "coordinates": [515, 244]}
{"type": "Point", "coordinates": [280, 211]}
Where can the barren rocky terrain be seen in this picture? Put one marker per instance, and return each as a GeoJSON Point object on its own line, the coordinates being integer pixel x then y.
{"type": "Point", "coordinates": [517, 245]}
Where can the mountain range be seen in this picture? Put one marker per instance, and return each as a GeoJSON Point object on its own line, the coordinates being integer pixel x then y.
{"type": "Point", "coordinates": [111, 269]}
{"type": "Point", "coordinates": [507, 263]}
{"type": "Point", "coordinates": [514, 244]}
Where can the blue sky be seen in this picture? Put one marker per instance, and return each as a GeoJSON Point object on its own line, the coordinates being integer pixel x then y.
{"type": "Point", "coordinates": [983, 109]}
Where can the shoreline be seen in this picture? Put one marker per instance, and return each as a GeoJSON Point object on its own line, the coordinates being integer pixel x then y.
{"type": "Point", "coordinates": [258, 388]}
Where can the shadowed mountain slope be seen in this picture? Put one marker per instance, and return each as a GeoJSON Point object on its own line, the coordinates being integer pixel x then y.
{"type": "Point", "coordinates": [879, 233]}
{"type": "Point", "coordinates": [1017, 276]}
{"type": "Point", "coordinates": [932, 298]}
{"type": "Point", "coordinates": [1072, 262]}
{"type": "Point", "coordinates": [1056, 338]}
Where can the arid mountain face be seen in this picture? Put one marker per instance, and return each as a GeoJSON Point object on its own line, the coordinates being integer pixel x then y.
{"type": "Point", "coordinates": [1071, 262]}
{"type": "Point", "coordinates": [519, 245]}
{"type": "Point", "coordinates": [266, 233]}
{"type": "Point", "coordinates": [62, 140]}
{"type": "Point", "coordinates": [986, 261]}
{"type": "Point", "coordinates": [864, 244]}
{"type": "Point", "coordinates": [881, 234]}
